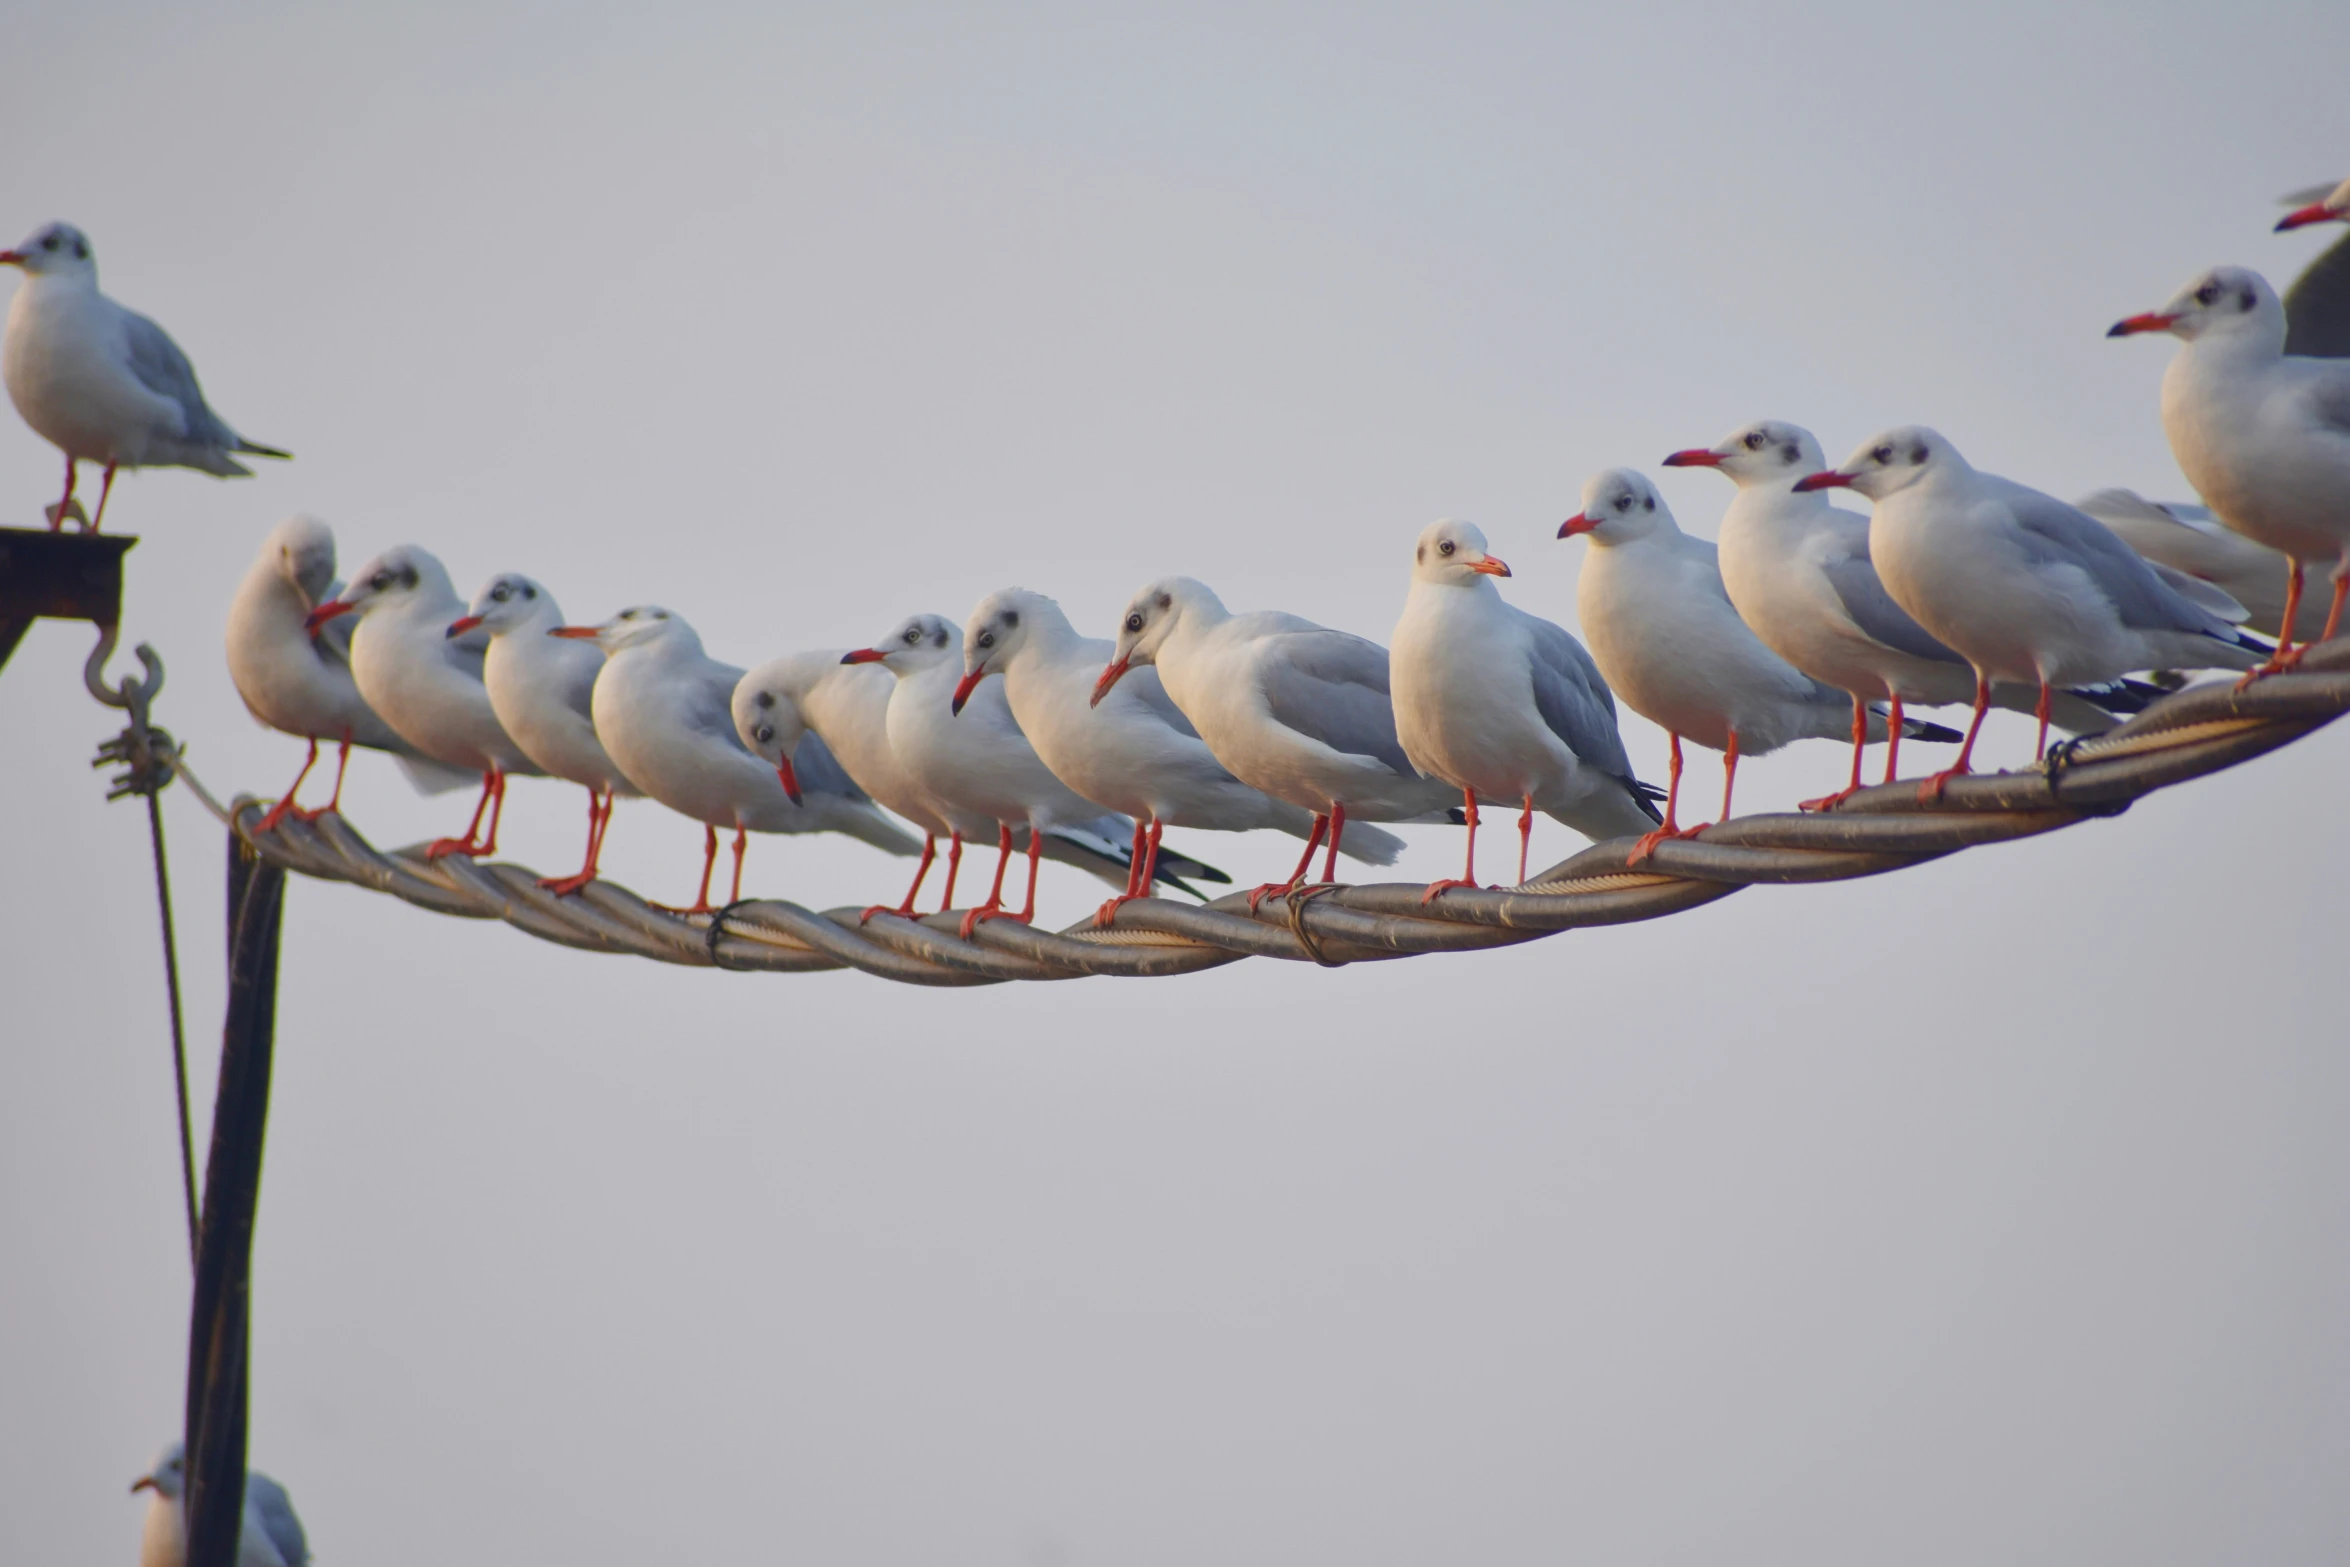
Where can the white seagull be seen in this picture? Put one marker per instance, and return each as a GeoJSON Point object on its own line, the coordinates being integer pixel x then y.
{"type": "Point", "coordinates": [2187, 537]}
{"type": "Point", "coordinates": [2025, 587]}
{"type": "Point", "coordinates": [663, 709]}
{"type": "Point", "coordinates": [979, 763]}
{"type": "Point", "coordinates": [1295, 709]}
{"type": "Point", "coordinates": [1799, 573]}
{"type": "Point", "coordinates": [301, 685]}
{"type": "Point", "coordinates": [541, 687]}
{"type": "Point", "coordinates": [1672, 646]}
{"type": "Point", "coordinates": [424, 683]}
{"type": "Point", "coordinates": [268, 1535]}
{"type": "Point", "coordinates": [2264, 436]}
{"type": "Point", "coordinates": [101, 383]}
{"type": "Point", "coordinates": [1134, 751]}
{"type": "Point", "coordinates": [1500, 703]}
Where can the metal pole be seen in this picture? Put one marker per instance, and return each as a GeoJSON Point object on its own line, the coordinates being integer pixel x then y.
{"type": "Point", "coordinates": [219, 1321]}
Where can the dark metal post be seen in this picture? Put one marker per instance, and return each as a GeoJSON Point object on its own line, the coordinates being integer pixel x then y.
{"type": "Point", "coordinates": [217, 1333]}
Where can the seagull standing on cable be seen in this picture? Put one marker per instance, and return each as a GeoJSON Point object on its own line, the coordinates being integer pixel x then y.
{"type": "Point", "coordinates": [101, 383]}
{"type": "Point", "coordinates": [1133, 752]}
{"type": "Point", "coordinates": [1500, 703]}
{"type": "Point", "coordinates": [1799, 573]}
{"type": "Point", "coordinates": [541, 688]}
{"type": "Point", "coordinates": [299, 684]}
{"type": "Point", "coordinates": [978, 762]}
{"type": "Point", "coordinates": [268, 1534]}
{"type": "Point", "coordinates": [2264, 436]}
{"type": "Point", "coordinates": [1672, 646]}
{"type": "Point", "coordinates": [2187, 537]}
{"type": "Point", "coordinates": [2025, 587]}
{"type": "Point", "coordinates": [663, 709]}
{"type": "Point", "coordinates": [426, 684]}
{"type": "Point", "coordinates": [1294, 709]}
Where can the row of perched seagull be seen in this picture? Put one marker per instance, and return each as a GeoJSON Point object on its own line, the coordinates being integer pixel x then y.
{"type": "Point", "coordinates": [1807, 622]}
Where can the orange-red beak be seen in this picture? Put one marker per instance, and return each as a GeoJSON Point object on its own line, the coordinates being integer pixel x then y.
{"type": "Point", "coordinates": [864, 655]}
{"type": "Point", "coordinates": [143, 1482]}
{"type": "Point", "coordinates": [582, 633]}
{"type": "Point", "coordinates": [324, 613]}
{"type": "Point", "coordinates": [2130, 326]}
{"type": "Point", "coordinates": [463, 624]}
{"type": "Point", "coordinates": [1830, 480]}
{"type": "Point", "coordinates": [2299, 217]}
{"type": "Point", "coordinates": [1581, 522]}
{"type": "Point", "coordinates": [964, 687]}
{"type": "Point", "coordinates": [789, 779]}
{"type": "Point", "coordinates": [1490, 566]}
{"type": "Point", "coordinates": [1694, 457]}
{"type": "Point", "coordinates": [15, 258]}
{"type": "Point", "coordinates": [1111, 675]}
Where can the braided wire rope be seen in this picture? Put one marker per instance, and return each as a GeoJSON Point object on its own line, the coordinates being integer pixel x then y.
{"type": "Point", "coordinates": [2193, 733]}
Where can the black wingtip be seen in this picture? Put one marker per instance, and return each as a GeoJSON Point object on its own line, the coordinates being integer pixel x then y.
{"type": "Point", "coordinates": [256, 449]}
{"type": "Point", "coordinates": [1172, 865]}
{"type": "Point", "coordinates": [1647, 796]}
{"type": "Point", "coordinates": [1455, 815]}
{"type": "Point", "coordinates": [1933, 734]}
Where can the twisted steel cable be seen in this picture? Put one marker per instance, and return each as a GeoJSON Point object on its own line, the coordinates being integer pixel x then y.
{"type": "Point", "coordinates": [2202, 730]}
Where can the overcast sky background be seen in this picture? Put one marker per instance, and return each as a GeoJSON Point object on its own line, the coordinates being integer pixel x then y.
{"type": "Point", "coordinates": [1989, 1211]}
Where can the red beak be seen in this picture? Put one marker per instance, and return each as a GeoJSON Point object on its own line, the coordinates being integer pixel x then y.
{"type": "Point", "coordinates": [324, 613]}
{"type": "Point", "coordinates": [1581, 522]}
{"type": "Point", "coordinates": [463, 624]}
{"type": "Point", "coordinates": [1111, 675]}
{"type": "Point", "coordinates": [2130, 326]}
{"type": "Point", "coordinates": [1831, 480]}
{"type": "Point", "coordinates": [583, 633]}
{"type": "Point", "coordinates": [1490, 566]}
{"type": "Point", "coordinates": [143, 1482]}
{"type": "Point", "coordinates": [1694, 457]}
{"type": "Point", "coordinates": [963, 689]}
{"type": "Point", "coordinates": [864, 655]}
{"type": "Point", "coordinates": [2315, 212]}
{"type": "Point", "coordinates": [789, 779]}
{"type": "Point", "coordinates": [15, 258]}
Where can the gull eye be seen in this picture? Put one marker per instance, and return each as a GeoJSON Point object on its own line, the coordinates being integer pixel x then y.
{"type": "Point", "coordinates": [764, 734]}
{"type": "Point", "coordinates": [1444, 547]}
{"type": "Point", "coordinates": [380, 581]}
{"type": "Point", "coordinates": [1134, 623]}
{"type": "Point", "coordinates": [1623, 503]}
{"type": "Point", "coordinates": [1883, 454]}
{"type": "Point", "coordinates": [529, 592]}
{"type": "Point", "coordinates": [987, 639]}
{"type": "Point", "coordinates": [1754, 440]}
{"type": "Point", "coordinates": [49, 242]}
{"type": "Point", "coordinates": [501, 593]}
{"type": "Point", "coordinates": [2208, 294]}
{"type": "Point", "coordinates": [912, 636]}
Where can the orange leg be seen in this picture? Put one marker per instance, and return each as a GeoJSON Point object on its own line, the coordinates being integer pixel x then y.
{"type": "Point", "coordinates": [701, 904]}
{"type": "Point", "coordinates": [65, 505]}
{"type": "Point", "coordinates": [1670, 827]}
{"type": "Point", "coordinates": [1729, 780]}
{"type": "Point", "coordinates": [1860, 737]}
{"type": "Point", "coordinates": [1258, 895]}
{"type": "Point", "coordinates": [995, 893]}
{"type": "Point", "coordinates": [1525, 836]}
{"type": "Point", "coordinates": [1140, 874]}
{"type": "Point", "coordinates": [2040, 711]}
{"type": "Point", "coordinates": [1931, 789]}
{"type": "Point", "coordinates": [1468, 876]}
{"type": "Point", "coordinates": [734, 889]}
{"type": "Point", "coordinates": [906, 909]}
{"type": "Point", "coordinates": [466, 845]}
{"type": "Point", "coordinates": [104, 490]}
{"type": "Point", "coordinates": [598, 814]}
{"type": "Point", "coordinates": [1337, 831]}
{"type": "Point", "coordinates": [285, 807]}
{"type": "Point", "coordinates": [2285, 657]}
{"type": "Point", "coordinates": [334, 802]}
{"type": "Point", "coordinates": [2341, 592]}
{"type": "Point", "coordinates": [954, 864]}
{"type": "Point", "coordinates": [1893, 723]}
{"type": "Point", "coordinates": [497, 815]}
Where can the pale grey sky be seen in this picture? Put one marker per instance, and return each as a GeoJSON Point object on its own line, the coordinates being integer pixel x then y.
{"type": "Point", "coordinates": [1989, 1211]}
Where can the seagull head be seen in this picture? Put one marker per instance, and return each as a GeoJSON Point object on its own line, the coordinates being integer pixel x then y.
{"type": "Point", "coordinates": [302, 551]}
{"type": "Point", "coordinates": [2230, 302]}
{"type": "Point", "coordinates": [1890, 463]}
{"type": "Point", "coordinates": [2334, 207]}
{"type": "Point", "coordinates": [1452, 553]}
{"type": "Point", "coordinates": [168, 1477]}
{"type": "Point", "coordinates": [508, 603]}
{"type": "Point", "coordinates": [1619, 506]}
{"type": "Point", "coordinates": [994, 635]}
{"type": "Point", "coordinates": [915, 643]}
{"type": "Point", "coordinates": [392, 577]}
{"type": "Point", "coordinates": [769, 721]}
{"type": "Point", "coordinates": [55, 250]}
{"type": "Point", "coordinates": [1768, 452]}
{"type": "Point", "coordinates": [639, 625]}
{"type": "Point", "coordinates": [1151, 617]}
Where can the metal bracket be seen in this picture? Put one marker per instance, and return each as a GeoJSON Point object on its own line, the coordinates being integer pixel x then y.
{"type": "Point", "coordinates": [58, 576]}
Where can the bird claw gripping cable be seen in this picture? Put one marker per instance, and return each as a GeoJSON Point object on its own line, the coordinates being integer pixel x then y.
{"type": "Point", "coordinates": [2201, 730]}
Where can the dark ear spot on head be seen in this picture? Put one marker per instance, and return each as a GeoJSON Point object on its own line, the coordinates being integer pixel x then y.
{"type": "Point", "coordinates": [1649, 504]}
{"type": "Point", "coordinates": [408, 576]}
{"type": "Point", "coordinates": [1419, 553]}
{"type": "Point", "coordinates": [1166, 601]}
{"type": "Point", "coordinates": [1790, 452]}
{"type": "Point", "coordinates": [765, 699]}
{"type": "Point", "coordinates": [938, 639]}
{"type": "Point", "coordinates": [2248, 299]}
{"type": "Point", "coordinates": [529, 592]}
{"type": "Point", "coordinates": [1011, 617]}
{"type": "Point", "coordinates": [1917, 453]}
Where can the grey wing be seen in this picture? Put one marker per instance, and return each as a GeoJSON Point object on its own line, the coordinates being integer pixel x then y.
{"type": "Point", "coordinates": [2329, 398]}
{"type": "Point", "coordinates": [2057, 534]}
{"type": "Point", "coordinates": [820, 772]}
{"type": "Point", "coordinates": [1333, 687]}
{"type": "Point", "coordinates": [1862, 593]}
{"type": "Point", "coordinates": [705, 704]}
{"type": "Point", "coordinates": [1573, 699]}
{"type": "Point", "coordinates": [269, 1502]}
{"type": "Point", "coordinates": [2317, 306]}
{"type": "Point", "coordinates": [162, 369]}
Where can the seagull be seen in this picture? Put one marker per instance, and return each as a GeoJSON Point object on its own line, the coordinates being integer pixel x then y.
{"type": "Point", "coordinates": [1671, 644]}
{"type": "Point", "coordinates": [269, 1535]}
{"type": "Point", "coordinates": [848, 705]}
{"type": "Point", "coordinates": [426, 684]}
{"type": "Point", "coordinates": [1799, 573]}
{"type": "Point", "coordinates": [540, 688]}
{"type": "Point", "coordinates": [2317, 306]}
{"type": "Point", "coordinates": [2319, 204]}
{"type": "Point", "coordinates": [1134, 752]}
{"type": "Point", "coordinates": [101, 383]}
{"type": "Point", "coordinates": [2264, 436]}
{"type": "Point", "coordinates": [663, 709]}
{"type": "Point", "coordinates": [2026, 587]}
{"type": "Point", "coordinates": [1295, 709]}
{"type": "Point", "coordinates": [301, 685]}
{"type": "Point", "coordinates": [978, 762]}
{"type": "Point", "coordinates": [1500, 703]}
{"type": "Point", "coordinates": [2187, 537]}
